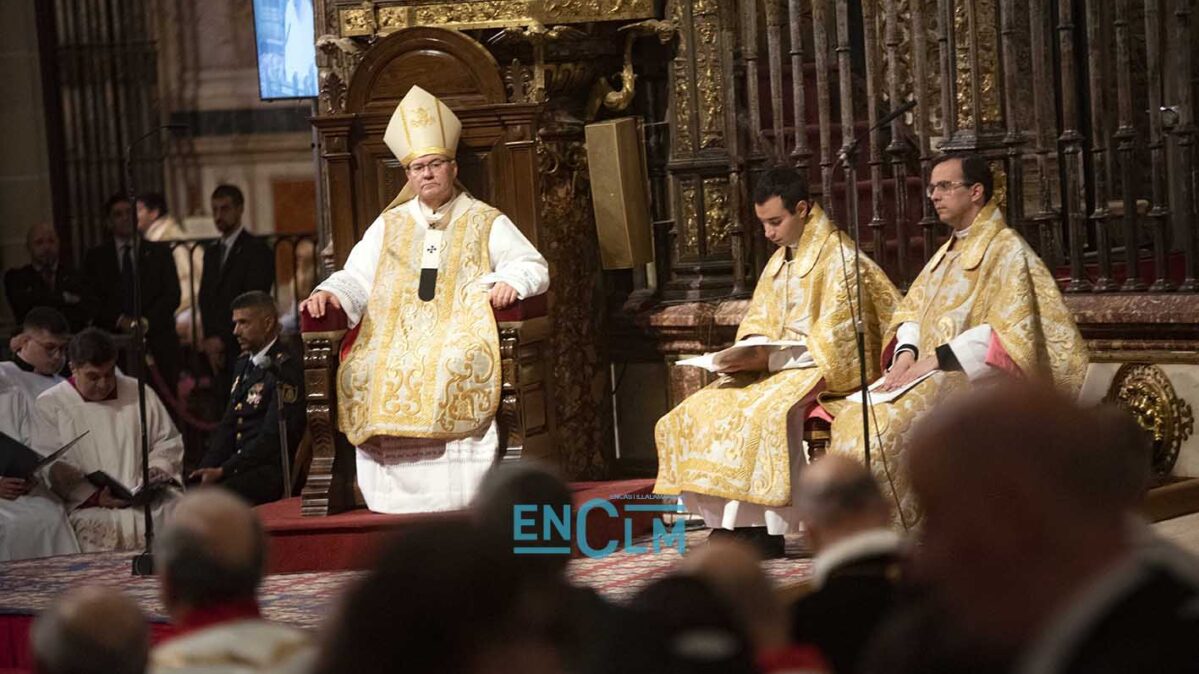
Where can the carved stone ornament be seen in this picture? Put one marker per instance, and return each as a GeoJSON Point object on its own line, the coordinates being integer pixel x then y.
{"type": "Point", "coordinates": [1146, 393]}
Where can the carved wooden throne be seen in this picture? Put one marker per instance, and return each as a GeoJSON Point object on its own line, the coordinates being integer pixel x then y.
{"type": "Point", "coordinates": [497, 163]}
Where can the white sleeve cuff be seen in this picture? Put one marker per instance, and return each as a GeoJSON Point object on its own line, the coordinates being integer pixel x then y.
{"type": "Point", "coordinates": [907, 333]}
{"type": "Point", "coordinates": [970, 348]}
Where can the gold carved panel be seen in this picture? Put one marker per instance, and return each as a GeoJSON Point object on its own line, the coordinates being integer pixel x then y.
{"type": "Point", "coordinates": [384, 17]}
{"type": "Point", "coordinates": [681, 74]}
{"type": "Point", "coordinates": [1145, 391]}
{"type": "Point", "coordinates": [686, 239]}
{"type": "Point", "coordinates": [717, 223]}
{"type": "Point", "coordinates": [708, 80]}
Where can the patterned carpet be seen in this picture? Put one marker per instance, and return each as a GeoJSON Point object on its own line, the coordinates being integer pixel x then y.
{"type": "Point", "coordinates": [305, 599]}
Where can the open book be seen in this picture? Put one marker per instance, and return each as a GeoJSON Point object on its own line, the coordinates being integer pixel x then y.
{"type": "Point", "coordinates": [708, 360]}
{"type": "Point", "coordinates": [19, 460]}
{"type": "Point", "coordinates": [137, 496]}
{"type": "Point", "coordinates": [877, 396]}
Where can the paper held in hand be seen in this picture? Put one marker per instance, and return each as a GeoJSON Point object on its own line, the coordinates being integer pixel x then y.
{"type": "Point", "coordinates": [887, 396]}
{"type": "Point", "coordinates": [708, 360]}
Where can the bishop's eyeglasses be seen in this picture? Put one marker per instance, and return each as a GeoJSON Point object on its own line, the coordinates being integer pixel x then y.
{"type": "Point", "coordinates": [434, 165]}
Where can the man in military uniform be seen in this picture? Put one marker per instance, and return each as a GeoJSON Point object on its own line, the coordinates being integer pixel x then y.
{"type": "Point", "coordinates": [243, 452]}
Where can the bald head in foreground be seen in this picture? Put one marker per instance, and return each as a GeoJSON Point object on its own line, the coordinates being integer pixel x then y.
{"type": "Point", "coordinates": [91, 630]}
{"type": "Point", "coordinates": [733, 568]}
{"type": "Point", "coordinates": [858, 565]}
{"type": "Point", "coordinates": [211, 559]}
{"type": "Point", "coordinates": [1026, 536]}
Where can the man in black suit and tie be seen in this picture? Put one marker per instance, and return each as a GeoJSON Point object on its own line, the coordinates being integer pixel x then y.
{"type": "Point", "coordinates": [109, 267]}
{"type": "Point", "coordinates": [46, 282]}
{"type": "Point", "coordinates": [858, 563]}
{"type": "Point", "coordinates": [236, 264]}
{"type": "Point", "coordinates": [243, 452]}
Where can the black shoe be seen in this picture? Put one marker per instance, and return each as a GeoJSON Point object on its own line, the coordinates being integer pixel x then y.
{"type": "Point", "coordinates": [770, 547]}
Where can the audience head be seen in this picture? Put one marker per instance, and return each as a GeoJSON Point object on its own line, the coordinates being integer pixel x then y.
{"type": "Point", "coordinates": [432, 176]}
{"type": "Point", "coordinates": [43, 341]}
{"type": "Point", "coordinates": [213, 551]}
{"type": "Point", "coordinates": [837, 497]}
{"type": "Point", "coordinates": [781, 203]}
{"type": "Point", "coordinates": [150, 207]}
{"type": "Point", "coordinates": [42, 242]}
{"type": "Point", "coordinates": [91, 630]}
{"type": "Point", "coordinates": [525, 483]}
{"type": "Point", "coordinates": [93, 356]}
{"type": "Point", "coordinates": [448, 598]}
{"type": "Point", "coordinates": [959, 186]}
{"type": "Point", "coordinates": [117, 212]}
{"type": "Point", "coordinates": [734, 570]}
{"type": "Point", "coordinates": [227, 206]}
{"type": "Point", "coordinates": [681, 624]}
{"type": "Point", "coordinates": [1025, 498]}
{"type": "Point", "coordinates": [255, 320]}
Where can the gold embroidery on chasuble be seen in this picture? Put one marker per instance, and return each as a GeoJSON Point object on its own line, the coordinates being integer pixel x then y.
{"type": "Point", "coordinates": [425, 369]}
{"type": "Point", "coordinates": [991, 276]}
{"type": "Point", "coordinates": [730, 438]}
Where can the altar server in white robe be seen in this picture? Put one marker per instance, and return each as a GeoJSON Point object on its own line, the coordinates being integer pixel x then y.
{"type": "Point", "coordinates": [104, 402]}
{"type": "Point", "coordinates": [32, 520]}
{"type": "Point", "coordinates": [419, 390]}
{"type": "Point", "coordinates": [39, 351]}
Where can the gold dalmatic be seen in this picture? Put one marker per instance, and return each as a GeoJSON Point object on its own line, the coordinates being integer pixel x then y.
{"type": "Point", "coordinates": [425, 369]}
{"type": "Point", "coordinates": [730, 438]}
{"type": "Point", "coordinates": [991, 276]}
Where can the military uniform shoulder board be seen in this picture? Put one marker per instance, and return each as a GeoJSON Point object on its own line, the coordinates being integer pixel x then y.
{"type": "Point", "coordinates": [288, 393]}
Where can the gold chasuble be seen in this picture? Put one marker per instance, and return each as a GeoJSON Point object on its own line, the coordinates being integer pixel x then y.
{"type": "Point", "coordinates": [730, 439]}
{"type": "Point", "coordinates": [425, 369]}
{"type": "Point", "coordinates": [988, 277]}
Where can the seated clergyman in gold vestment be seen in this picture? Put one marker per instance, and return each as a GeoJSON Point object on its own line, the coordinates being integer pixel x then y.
{"type": "Point", "coordinates": [985, 305]}
{"type": "Point", "coordinates": [733, 449]}
{"type": "Point", "coordinates": [419, 389]}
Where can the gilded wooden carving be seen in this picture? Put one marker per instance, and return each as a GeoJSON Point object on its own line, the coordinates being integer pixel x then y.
{"type": "Point", "coordinates": [687, 226]}
{"type": "Point", "coordinates": [371, 18]}
{"type": "Point", "coordinates": [708, 79]}
{"type": "Point", "coordinates": [718, 223]}
{"type": "Point", "coordinates": [341, 57]}
{"type": "Point", "coordinates": [1145, 391]}
{"type": "Point", "coordinates": [681, 79]}
{"type": "Point", "coordinates": [579, 367]}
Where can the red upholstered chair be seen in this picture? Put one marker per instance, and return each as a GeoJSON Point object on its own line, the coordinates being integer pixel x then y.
{"type": "Point", "coordinates": [525, 417]}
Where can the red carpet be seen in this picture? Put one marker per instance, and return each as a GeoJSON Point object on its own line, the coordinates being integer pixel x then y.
{"type": "Point", "coordinates": [351, 540]}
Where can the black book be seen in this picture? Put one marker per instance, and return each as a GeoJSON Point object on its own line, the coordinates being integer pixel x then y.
{"type": "Point", "coordinates": [19, 460]}
{"type": "Point", "coordinates": [137, 496]}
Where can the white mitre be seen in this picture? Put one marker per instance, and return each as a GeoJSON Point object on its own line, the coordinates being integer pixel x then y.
{"type": "Point", "coordinates": [421, 125]}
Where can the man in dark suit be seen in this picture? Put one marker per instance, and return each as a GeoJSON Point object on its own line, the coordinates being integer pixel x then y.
{"type": "Point", "coordinates": [109, 268]}
{"type": "Point", "coordinates": [47, 282]}
{"type": "Point", "coordinates": [858, 563]}
{"type": "Point", "coordinates": [243, 452]}
{"type": "Point", "coordinates": [237, 263]}
{"type": "Point", "coordinates": [1028, 543]}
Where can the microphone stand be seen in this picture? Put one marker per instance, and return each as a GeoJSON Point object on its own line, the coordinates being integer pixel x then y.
{"type": "Point", "coordinates": [143, 563]}
{"type": "Point", "coordinates": [845, 159]}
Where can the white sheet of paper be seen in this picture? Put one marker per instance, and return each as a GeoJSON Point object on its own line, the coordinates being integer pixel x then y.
{"type": "Point", "coordinates": [707, 361]}
{"type": "Point", "coordinates": [888, 396]}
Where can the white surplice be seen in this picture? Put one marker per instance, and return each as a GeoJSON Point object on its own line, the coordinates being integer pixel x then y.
{"type": "Point", "coordinates": [113, 445]}
{"type": "Point", "coordinates": [409, 475]}
{"type": "Point", "coordinates": [32, 383]}
{"type": "Point", "coordinates": [33, 525]}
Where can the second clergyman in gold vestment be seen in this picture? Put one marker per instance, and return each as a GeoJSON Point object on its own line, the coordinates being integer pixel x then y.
{"type": "Point", "coordinates": [984, 305]}
{"type": "Point", "coordinates": [732, 449]}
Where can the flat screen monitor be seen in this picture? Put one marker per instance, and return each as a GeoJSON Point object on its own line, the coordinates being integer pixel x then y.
{"type": "Point", "coordinates": [285, 35]}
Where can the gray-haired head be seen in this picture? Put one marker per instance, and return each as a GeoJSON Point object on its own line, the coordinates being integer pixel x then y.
{"type": "Point", "coordinates": [91, 630]}
{"type": "Point", "coordinates": [837, 497]}
{"type": "Point", "coordinates": [213, 551]}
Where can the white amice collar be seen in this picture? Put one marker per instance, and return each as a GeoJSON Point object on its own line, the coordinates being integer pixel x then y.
{"type": "Point", "coordinates": [434, 216]}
